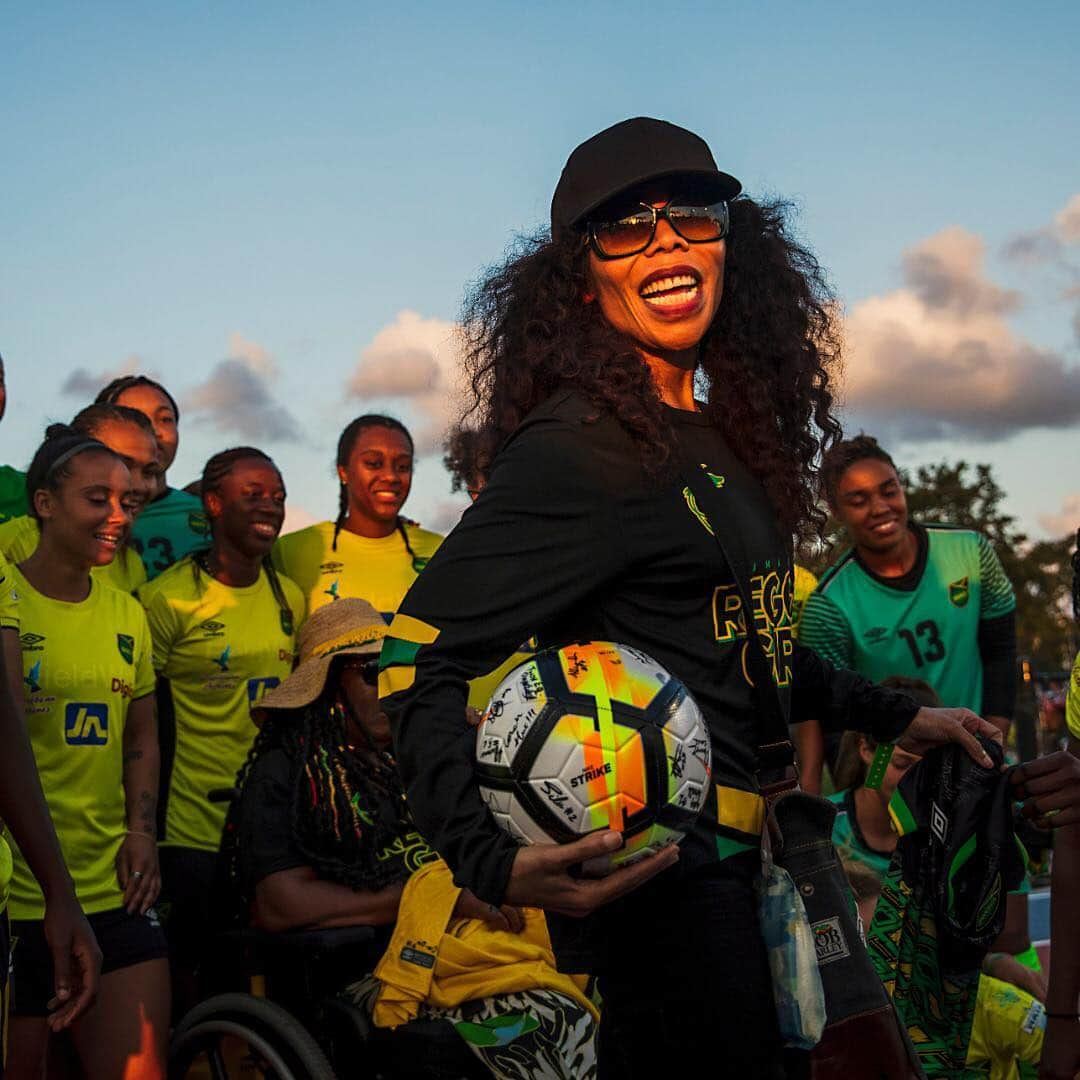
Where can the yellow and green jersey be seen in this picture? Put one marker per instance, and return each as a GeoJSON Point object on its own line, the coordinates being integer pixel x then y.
{"type": "Point", "coordinates": [169, 528]}
{"type": "Point", "coordinates": [805, 584]}
{"type": "Point", "coordinates": [83, 664]}
{"type": "Point", "coordinates": [380, 571]}
{"type": "Point", "coordinates": [1008, 1029]}
{"type": "Point", "coordinates": [9, 620]}
{"type": "Point", "coordinates": [12, 493]}
{"type": "Point", "coordinates": [925, 625]}
{"type": "Point", "coordinates": [1072, 700]}
{"type": "Point", "coordinates": [221, 648]}
{"type": "Point", "coordinates": [19, 540]}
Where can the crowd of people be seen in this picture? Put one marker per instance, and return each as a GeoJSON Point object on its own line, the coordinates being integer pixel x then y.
{"type": "Point", "coordinates": [165, 645]}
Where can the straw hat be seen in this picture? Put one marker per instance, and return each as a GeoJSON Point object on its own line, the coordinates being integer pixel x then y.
{"type": "Point", "coordinates": [347, 627]}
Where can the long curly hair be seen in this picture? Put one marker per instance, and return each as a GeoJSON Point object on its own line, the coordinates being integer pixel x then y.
{"type": "Point", "coordinates": [765, 369]}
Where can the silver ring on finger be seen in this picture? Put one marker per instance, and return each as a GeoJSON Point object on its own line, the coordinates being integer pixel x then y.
{"type": "Point", "coordinates": [136, 873]}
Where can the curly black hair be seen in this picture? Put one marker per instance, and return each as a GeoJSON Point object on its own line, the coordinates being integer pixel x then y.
{"type": "Point", "coordinates": [766, 362]}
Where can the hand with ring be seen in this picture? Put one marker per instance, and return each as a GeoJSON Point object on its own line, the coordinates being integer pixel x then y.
{"type": "Point", "coordinates": [137, 871]}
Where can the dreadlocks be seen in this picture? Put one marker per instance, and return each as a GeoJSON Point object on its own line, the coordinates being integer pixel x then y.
{"type": "Point", "coordinates": [347, 806]}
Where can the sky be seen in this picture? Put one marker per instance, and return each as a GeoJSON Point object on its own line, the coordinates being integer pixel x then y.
{"type": "Point", "coordinates": [276, 208]}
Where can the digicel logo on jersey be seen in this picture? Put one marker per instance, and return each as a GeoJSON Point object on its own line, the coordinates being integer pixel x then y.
{"type": "Point", "coordinates": [124, 689]}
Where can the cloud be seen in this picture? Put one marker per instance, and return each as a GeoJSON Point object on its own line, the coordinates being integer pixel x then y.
{"type": "Point", "coordinates": [237, 397]}
{"type": "Point", "coordinates": [417, 360]}
{"type": "Point", "coordinates": [445, 515]}
{"type": "Point", "coordinates": [1067, 221]}
{"type": "Point", "coordinates": [1050, 242]}
{"type": "Point", "coordinates": [81, 383]}
{"type": "Point", "coordinates": [1067, 520]}
{"type": "Point", "coordinates": [937, 358]}
{"type": "Point", "coordinates": [296, 518]}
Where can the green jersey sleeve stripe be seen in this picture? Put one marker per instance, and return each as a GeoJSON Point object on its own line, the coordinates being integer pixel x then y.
{"type": "Point", "coordinates": [997, 595]}
{"type": "Point", "coordinates": [398, 653]}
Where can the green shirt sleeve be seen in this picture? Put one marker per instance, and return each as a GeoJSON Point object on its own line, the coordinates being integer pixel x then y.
{"type": "Point", "coordinates": [996, 596]}
{"type": "Point", "coordinates": [164, 626]}
{"type": "Point", "coordinates": [825, 630]}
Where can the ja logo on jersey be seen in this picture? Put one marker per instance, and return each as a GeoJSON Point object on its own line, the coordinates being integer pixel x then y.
{"type": "Point", "coordinates": [86, 723]}
{"type": "Point", "coordinates": [959, 592]}
{"type": "Point", "coordinates": [126, 644]}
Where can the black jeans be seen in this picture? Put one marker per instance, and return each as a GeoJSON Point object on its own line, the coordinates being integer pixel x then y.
{"type": "Point", "coordinates": [686, 989]}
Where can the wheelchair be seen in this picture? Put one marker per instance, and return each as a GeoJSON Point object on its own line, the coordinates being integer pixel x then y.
{"type": "Point", "coordinates": [293, 1022]}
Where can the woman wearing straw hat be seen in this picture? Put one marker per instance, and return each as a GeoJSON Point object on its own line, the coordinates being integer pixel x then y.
{"type": "Point", "coordinates": [321, 836]}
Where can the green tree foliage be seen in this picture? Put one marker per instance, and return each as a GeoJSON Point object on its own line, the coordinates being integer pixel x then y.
{"type": "Point", "coordinates": [1041, 572]}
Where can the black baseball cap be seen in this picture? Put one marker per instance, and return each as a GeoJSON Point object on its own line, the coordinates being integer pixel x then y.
{"type": "Point", "coordinates": [631, 153]}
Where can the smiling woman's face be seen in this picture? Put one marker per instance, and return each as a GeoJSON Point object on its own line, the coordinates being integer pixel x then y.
{"type": "Point", "coordinates": [665, 297]}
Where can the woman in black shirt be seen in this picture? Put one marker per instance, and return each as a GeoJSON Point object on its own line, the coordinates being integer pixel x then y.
{"type": "Point", "coordinates": [585, 352]}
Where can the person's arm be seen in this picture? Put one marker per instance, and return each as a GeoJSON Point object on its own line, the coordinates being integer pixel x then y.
{"type": "Point", "coordinates": [542, 539]}
{"type": "Point", "coordinates": [823, 628]}
{"type": "Point", "coordinates": [75, 953]}
{"type": "Point", "coordinates": [1061, 1049]}
{"type": "Point", "coordinates": [137, 860]}
{"type": "Point", "coordinates": [996, 638]}
{"type": "Point", "coordinates": [299, 899]}
{"type": "Point", "coordinates": [845, 701]}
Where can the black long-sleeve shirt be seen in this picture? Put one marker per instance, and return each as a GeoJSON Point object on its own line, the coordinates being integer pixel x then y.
{"type": "Point", "coordinates": [571, 541]}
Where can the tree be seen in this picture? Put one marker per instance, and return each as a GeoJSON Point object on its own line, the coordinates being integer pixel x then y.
{"type": "Point", "coordinates": [956, 494]}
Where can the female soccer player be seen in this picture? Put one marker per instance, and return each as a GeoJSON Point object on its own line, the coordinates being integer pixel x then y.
{"type": "Point", "coordinates": [370, 551]}
{"type": "Point", "coordinates": [172, 524]}
{"type": "Point", "coordinates": [224, 625]}
{"type": "Point", "coordinates": [128, 434]}
{"type": "Point", "coordinates": [87, 680]}
{"type": "Point", "coordinates": [586, 348]}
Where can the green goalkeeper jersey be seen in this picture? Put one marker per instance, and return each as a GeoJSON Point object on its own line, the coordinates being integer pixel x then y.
{"type": "Point", "coordinates": [925, 624]}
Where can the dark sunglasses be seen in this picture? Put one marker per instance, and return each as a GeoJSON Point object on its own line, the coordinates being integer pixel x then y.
{"type": "Point", "coordinates": [367, 669]}
{"type": "Point", "coordinates": [633, 234]}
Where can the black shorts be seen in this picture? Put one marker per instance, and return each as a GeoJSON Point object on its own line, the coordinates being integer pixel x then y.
{"type": "Point", "coordinates": [187, 888]}
{"type": "Point", "coordinates": [5, 950]}
{"type": "Point", "coordinates": [124, 940]}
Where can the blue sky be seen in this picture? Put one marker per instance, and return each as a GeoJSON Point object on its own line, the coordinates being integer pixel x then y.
{"type": "Point", "coordinates": [277, 183]}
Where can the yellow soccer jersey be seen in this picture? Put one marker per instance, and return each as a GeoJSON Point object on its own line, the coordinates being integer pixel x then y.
{"type": "Point", "coordinates": [82, 666]}
{"type": "Point", "coordinates": [221, 649]}
{"type": "Point", "coordinates": [9, 620]}
{"type": "Point", "coordinates": [805, 584]}
{"type": "Point", "coordinates": [19, 540]}
{"type": "Point", "coordinates": [379, 571]}
{"type": "Point", "coordinates": [1008, 1028]}
{"type": "Point", "coordinates": [1072, 701]}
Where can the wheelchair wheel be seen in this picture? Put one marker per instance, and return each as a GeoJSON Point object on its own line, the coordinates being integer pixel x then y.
{"type": "Point", "coordinates": [237, 1035]}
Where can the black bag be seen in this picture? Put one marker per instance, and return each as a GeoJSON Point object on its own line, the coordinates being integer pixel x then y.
{"type": "Point", "coordinates": [863, 1036]}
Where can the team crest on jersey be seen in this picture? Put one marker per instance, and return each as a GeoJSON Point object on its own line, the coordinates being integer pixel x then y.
{"type": "Point", "coordinates": [199, 523]}
{"type": "Point", "coordinates": [959, 591]}
{"type": "Point", "coordinates": [126, 644]}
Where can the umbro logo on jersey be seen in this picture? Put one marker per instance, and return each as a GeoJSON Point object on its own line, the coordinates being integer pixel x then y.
{"type": "Point", "coordinates": [959, 591]}
{"type": "Point", "coordinates": [876, 634]}
{"type": "Point", "coordinates": [33, 677]}
{"type": "Point", "coordinates": [331, 568]}
{"type": "Point", "coordinates": [939, 823]}
{"type": "Point", "coordinates": [222, 661]}
{"type": "Point", "coordinates": [31, 642]}
{"type": "Point", "coordinates": [126, 645]}
{"type": "Point", "coordinates": [211, 628]}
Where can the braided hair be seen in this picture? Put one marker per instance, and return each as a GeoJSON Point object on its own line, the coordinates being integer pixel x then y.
{"type": "Point", "coordinates": [52, 460]}
{"type": "Point", "coordinates": [347, 810]}
{"type": "Point", "coordinates": [345, 446]}
{"type": "Point", "coordinates": [214, 472]}
{"type": "Point", "coordinates": [109, 393]}
{"type": "Point", "coordinates": [94, 417]}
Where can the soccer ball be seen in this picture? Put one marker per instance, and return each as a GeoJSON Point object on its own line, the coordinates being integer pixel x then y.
{"type": "Point", "coordinates": [593, 736]}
